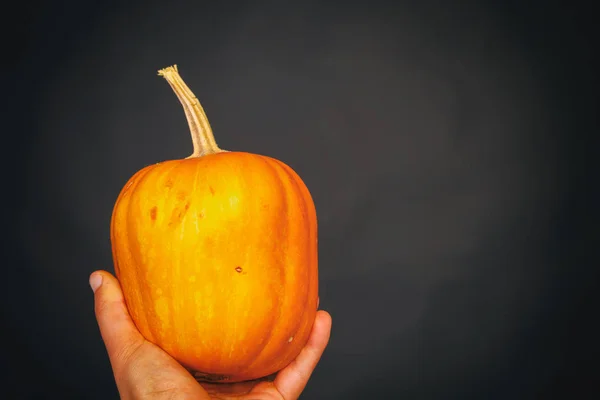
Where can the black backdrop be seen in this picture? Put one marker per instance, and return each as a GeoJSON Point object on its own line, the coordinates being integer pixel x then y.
{"type": "Point", "coordinates": [448, 147]}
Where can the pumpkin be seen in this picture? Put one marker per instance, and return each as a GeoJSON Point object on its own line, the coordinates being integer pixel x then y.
{"type": "Point", "coordinates": [216, 254]}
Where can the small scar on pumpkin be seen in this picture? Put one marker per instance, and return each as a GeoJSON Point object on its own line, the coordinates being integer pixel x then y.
{"type": "Point", "coordinates": [212, 191]}
{"type": "Point", "coordinates": [181, 195]}
{"type": "Point", "coordinates": [153, 213]}
{"type": "Point", "coordinates": [187, 205]}
{"type": "Point", "coordinates": [169, 183]}
{"type": "Point", "coordinates": [238, 269]}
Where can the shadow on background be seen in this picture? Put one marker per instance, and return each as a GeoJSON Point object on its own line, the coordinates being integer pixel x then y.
{"type": "Point", "coordinates": [448, 147]}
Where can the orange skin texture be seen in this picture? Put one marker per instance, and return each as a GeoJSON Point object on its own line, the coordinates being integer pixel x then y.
{"type": "Point", "coordinates": [217, 259]}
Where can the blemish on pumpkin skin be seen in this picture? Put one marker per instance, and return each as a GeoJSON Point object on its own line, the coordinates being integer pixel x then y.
{"type": "Point", "coordinates": [212, 191]}
{"type": "Point", "coordinates": [178, 214]}
{"type": "Point", "coordinates": [181, 195]}
{"type": "Point", "coordinates": [169, 183]}
{"type": "Point", "coordinates": [238, 269]}
{"type": "Point", "coordinates": [153, 213]}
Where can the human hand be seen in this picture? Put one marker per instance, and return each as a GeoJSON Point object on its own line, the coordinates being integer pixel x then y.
{"type": "Point", "coordinates": [144, 371]}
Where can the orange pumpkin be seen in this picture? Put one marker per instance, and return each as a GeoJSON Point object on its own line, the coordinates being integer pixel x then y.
{"type": "Point", "coordinates": [216, 254]}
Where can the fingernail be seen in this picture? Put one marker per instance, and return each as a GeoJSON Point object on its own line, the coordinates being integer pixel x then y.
{"type": "Point", "coordinates": [95, 281]}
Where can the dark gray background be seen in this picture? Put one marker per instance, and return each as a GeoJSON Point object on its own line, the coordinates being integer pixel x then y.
{"type": "Point", "coordinates": [448, 147]}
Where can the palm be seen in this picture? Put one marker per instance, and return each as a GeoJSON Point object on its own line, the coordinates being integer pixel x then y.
{"type": "Point", "coordinates": [258, 389]}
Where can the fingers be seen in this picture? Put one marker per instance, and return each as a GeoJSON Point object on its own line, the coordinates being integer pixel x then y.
{"type": "Point", "coordinates": [118, 331]}
{"type": "Point", "coordinates": [291, 380]}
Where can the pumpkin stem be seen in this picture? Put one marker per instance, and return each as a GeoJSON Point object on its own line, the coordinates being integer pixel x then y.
{"type": "Point", "coordinates": [202, 135]}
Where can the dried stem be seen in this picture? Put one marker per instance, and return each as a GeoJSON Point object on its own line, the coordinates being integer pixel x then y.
{"type": "Point", "coordinates": [202, 135]}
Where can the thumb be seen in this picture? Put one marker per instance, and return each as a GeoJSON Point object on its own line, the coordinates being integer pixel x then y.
{"type": "Point", "coordinates": [119, 333]}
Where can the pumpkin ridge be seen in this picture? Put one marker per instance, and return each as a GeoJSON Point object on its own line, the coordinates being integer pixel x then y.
{"type": "Point", "coordinates": [124, 191]}
{"type": "Point", "coordinates": [128, 238]}
{"type": "Point", "coordinates": [177, 324]}
{"type": "Point", "coordinates": [174, 262]}
{"type": "Point", "coordinates": [293, 178]}
{"type": "Point", "coordinates": [283, 177]}
{"type": "Point", "coordinates": [148, 297]}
